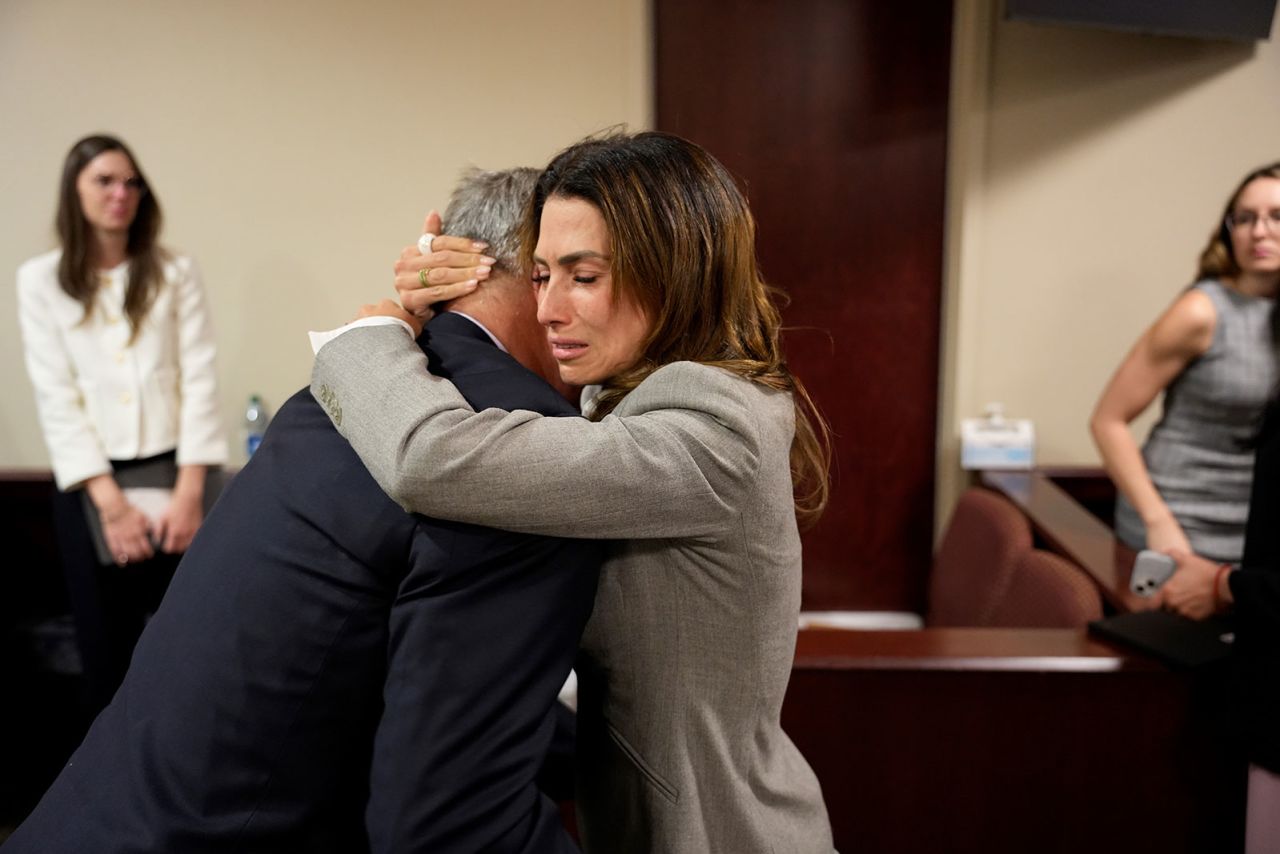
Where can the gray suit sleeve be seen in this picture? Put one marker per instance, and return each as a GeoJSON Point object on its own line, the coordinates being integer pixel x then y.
{"type": "Point", "coordinates": [675, 466]}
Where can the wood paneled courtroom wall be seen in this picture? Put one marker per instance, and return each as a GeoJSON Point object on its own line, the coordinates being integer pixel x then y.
{"type": "Point", "coordinates": [834, 116]}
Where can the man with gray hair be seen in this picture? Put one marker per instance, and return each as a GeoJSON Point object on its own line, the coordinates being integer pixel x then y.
{"type": "Point", "coordinates": [330, 674]}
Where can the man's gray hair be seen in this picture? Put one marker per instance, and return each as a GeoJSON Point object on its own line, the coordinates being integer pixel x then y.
{"type": "Point", "coordinates": [490, 206]}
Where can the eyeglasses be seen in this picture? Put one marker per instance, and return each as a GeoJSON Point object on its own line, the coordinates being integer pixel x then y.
{"type": "Point", "coordinates": [132, 185]}
{"type": "Point", "coordinates": [1246, 220]}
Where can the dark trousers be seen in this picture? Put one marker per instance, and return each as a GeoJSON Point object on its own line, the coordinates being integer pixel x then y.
{"type": "Point", "coordinates": [110, 604]}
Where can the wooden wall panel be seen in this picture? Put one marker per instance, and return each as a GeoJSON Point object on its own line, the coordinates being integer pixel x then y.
{"type": "Point", "coordinates": [40, 719]}
{"type": "Point", "coordinates": [1012, 740]}
{"type": "Point", "coordinates": [833, 114]}
{"type": "Point", "coordinates": [31, 587]}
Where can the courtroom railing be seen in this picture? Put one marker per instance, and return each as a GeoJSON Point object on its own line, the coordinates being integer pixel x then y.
{"type": "Point", "coordinates": [1011, 740]}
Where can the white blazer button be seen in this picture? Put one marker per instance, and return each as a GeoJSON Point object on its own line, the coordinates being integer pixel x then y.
{"type": "Point", "coordinates": [125, 397]}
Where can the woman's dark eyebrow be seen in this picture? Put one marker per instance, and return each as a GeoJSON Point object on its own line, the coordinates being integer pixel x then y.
{"type": "Point", "coordinates": [575, 257]}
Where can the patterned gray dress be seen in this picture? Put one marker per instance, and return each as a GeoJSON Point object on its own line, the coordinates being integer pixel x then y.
{"type": "Point", "coordinates": [1199, 453]}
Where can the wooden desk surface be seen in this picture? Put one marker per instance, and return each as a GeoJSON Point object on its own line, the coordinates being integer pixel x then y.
{"type": "Point", "coordinates": [969, 649]}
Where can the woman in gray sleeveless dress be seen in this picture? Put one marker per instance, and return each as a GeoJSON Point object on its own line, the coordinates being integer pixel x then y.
{"type": "Point", "coordinates": [1213, 354]}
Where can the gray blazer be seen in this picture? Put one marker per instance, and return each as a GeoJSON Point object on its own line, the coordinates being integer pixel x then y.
{"type": "Point", "coordinates": [687, 656]}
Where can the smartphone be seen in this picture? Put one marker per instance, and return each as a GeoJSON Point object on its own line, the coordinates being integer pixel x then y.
{"type": "Point", "coordinates": [1150, 571]}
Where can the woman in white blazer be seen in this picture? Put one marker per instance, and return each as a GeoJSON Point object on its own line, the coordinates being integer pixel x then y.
{"type": "Point", "coordinates": [700, 454]}
{"type": "Point", "coordinates": [119, 347]}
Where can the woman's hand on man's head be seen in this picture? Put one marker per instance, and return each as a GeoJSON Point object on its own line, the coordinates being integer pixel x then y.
{"type": "Point", "coordinates": [454, 267]}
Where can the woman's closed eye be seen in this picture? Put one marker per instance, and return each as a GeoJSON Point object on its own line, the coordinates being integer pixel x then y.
{"type": "Point", "coordinates": [541, 278]}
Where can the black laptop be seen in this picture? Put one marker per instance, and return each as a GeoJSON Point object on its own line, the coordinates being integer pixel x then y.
{"type": "Point", "coordinates": [1173, 639]}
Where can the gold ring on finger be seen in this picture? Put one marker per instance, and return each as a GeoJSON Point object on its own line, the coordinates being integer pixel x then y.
{"type": "Point", "coordinates": [422, 275]}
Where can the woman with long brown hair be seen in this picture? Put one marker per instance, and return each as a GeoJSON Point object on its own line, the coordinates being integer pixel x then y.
{"type": "Point", "coordinates": [119, 347]}
{"type": "Point", "coordinates": [1213, 354]}
{"type": "Point", "coordinates": [701, 454]}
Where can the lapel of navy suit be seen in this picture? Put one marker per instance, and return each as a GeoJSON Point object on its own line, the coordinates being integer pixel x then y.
{"type": "Point", "coordinates": [252, 717]}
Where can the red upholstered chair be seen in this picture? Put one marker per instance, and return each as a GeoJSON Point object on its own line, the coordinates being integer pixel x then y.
{"type": "Point", "coordinates": [976, 560]}
{"type": "Point", "coordinates": [1047, 591]}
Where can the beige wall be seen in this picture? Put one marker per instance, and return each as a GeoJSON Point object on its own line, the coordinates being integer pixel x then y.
{"type": "Point", "coordinates": [294, 152]}
{"type": "Point", "coordinates": [294, 145]}
{"type": "Point", "coordinates": [1087, 169]}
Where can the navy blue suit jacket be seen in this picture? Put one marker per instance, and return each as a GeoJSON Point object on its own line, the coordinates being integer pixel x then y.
{"type": "Point", "coordinates": [252, 718]}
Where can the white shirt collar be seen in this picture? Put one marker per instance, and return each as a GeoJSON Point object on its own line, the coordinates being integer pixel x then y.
{"type": "Point", "coordinates": [484, 329]}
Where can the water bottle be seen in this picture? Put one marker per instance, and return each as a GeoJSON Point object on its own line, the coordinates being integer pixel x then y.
{"type": "Point", "coordinates": [255, 424]}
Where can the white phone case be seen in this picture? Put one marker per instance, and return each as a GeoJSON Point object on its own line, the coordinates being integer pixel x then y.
{"type": "Point", "coordinates": [1150, 571]}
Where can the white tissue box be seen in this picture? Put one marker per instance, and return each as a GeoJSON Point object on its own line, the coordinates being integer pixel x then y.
{"type": "Point", "coordinates": [999, 444]}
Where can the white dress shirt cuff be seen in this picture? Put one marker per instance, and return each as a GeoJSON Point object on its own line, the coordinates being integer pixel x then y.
{"type": "Point", "coordinates": [319, 339]}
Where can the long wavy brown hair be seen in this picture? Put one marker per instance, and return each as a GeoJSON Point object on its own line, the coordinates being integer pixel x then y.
{"type": "Point", "coordinates": [683, 246]}
{"type": "Point", "coordinates": [76, 272]}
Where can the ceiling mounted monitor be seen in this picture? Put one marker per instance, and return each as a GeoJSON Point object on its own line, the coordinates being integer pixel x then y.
{"type": "Point", "coordinates": [1235, 20]}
